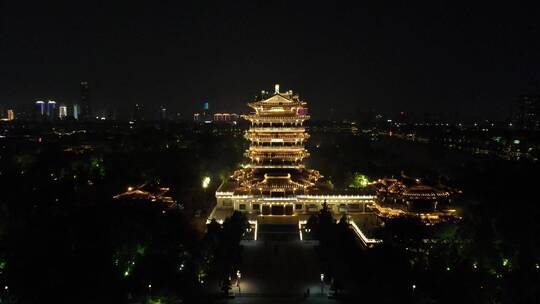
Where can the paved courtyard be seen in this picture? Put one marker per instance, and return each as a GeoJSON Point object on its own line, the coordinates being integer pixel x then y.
{"type": "Point", "coordinates": [279, 268]}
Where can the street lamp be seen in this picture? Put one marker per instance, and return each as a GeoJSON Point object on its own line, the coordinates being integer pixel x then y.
{"type": "Point", "coordinates": [238, 277]}
{"type": "Point", "coordinates": [149, 290]}
{"type": "Point", "coordinates": [413, 288]}
{"type": "Point", "coordinates": [322, 282]}
{"type": "Point", "coordinates": [206, 182]}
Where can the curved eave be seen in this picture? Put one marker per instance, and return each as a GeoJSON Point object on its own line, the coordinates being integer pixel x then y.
{"type": "Point", "coordinates": [269, 104]}
{"type": "Point", "coordinates": [276, 117]}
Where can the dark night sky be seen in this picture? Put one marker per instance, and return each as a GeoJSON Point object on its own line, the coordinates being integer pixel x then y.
{"type": "Point", "coordinates": [436, 57]}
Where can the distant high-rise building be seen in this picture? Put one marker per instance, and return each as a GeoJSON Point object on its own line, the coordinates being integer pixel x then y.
{"type": "Point", "coordinates": [163, 113]}
{"type": "Point", "coordinates": [527, 113]}
{"type": "Point", "coordinates": [62, 112]}
{"type": "Point", "coordinates": [85, 107]}
{"type": "Point", "coordinates": [51, 108]}
{"type": "Point", "coordinates": [138, 112]}
{"type": "Point", "coordinates": [205, 116]}
{"type": "Point", "coordinates": [10, 114]}
{"type": "Point", "coordinates": [112, 113]}
{"type": "Point", "coordinates": [76, 111]}
{"type": "Point", "coordinates": [225, 117]}
{"type": "Point", "coordinates": [40, 109]}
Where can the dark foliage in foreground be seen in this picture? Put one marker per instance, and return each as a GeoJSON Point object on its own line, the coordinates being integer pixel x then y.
{"type": "Point", "coordinates": [64, 239]}
{"type": "Point", "coordinates": [491, 256]}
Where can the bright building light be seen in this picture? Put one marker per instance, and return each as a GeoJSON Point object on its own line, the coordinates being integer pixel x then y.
{"type": "Point", "coordinates": [206, 182]}
{"type": "Point", "coordinates": [10, 114]}
{"type": "Point", "coordinates": [62, 114]}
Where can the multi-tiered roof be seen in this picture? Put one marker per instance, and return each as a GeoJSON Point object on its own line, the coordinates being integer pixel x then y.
{"type": "Point", "coordinates": [277, 136]}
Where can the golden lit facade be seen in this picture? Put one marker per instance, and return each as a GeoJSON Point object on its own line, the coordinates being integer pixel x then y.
{"type": "Point", "coordinates": [277, 132]}
{"type": "Point", "coordinates": [276, 180]}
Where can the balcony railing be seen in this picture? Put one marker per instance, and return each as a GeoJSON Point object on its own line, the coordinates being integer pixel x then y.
{"type": "Point", "coordinates": [277, 119]}
{"type": "Point", "coordinates": [277, 166]}
{"type": "Point", "coordinates": [278, 129]}
{"type": "Point", "coordinates": [268, 155]}
{"type": "Point", "coordinates": [277, 148]}
{"type": "Point", "coordinates": [281, 135]}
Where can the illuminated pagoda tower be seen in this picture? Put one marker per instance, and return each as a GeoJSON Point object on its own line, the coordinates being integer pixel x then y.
{"type": "Point", "coordinates": [276, 153]}
{"type": "Point", "coordinates": [276, 181]}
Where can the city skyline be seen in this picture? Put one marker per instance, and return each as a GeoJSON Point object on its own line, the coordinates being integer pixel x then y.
{"type": "Point", "coordinates": [473, 60]}
{"type": "Point", "coordinates": [138, 111]}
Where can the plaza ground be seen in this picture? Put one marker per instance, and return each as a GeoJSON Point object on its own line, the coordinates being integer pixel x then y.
{"type": "Point", "coordinates": [279, 268]}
